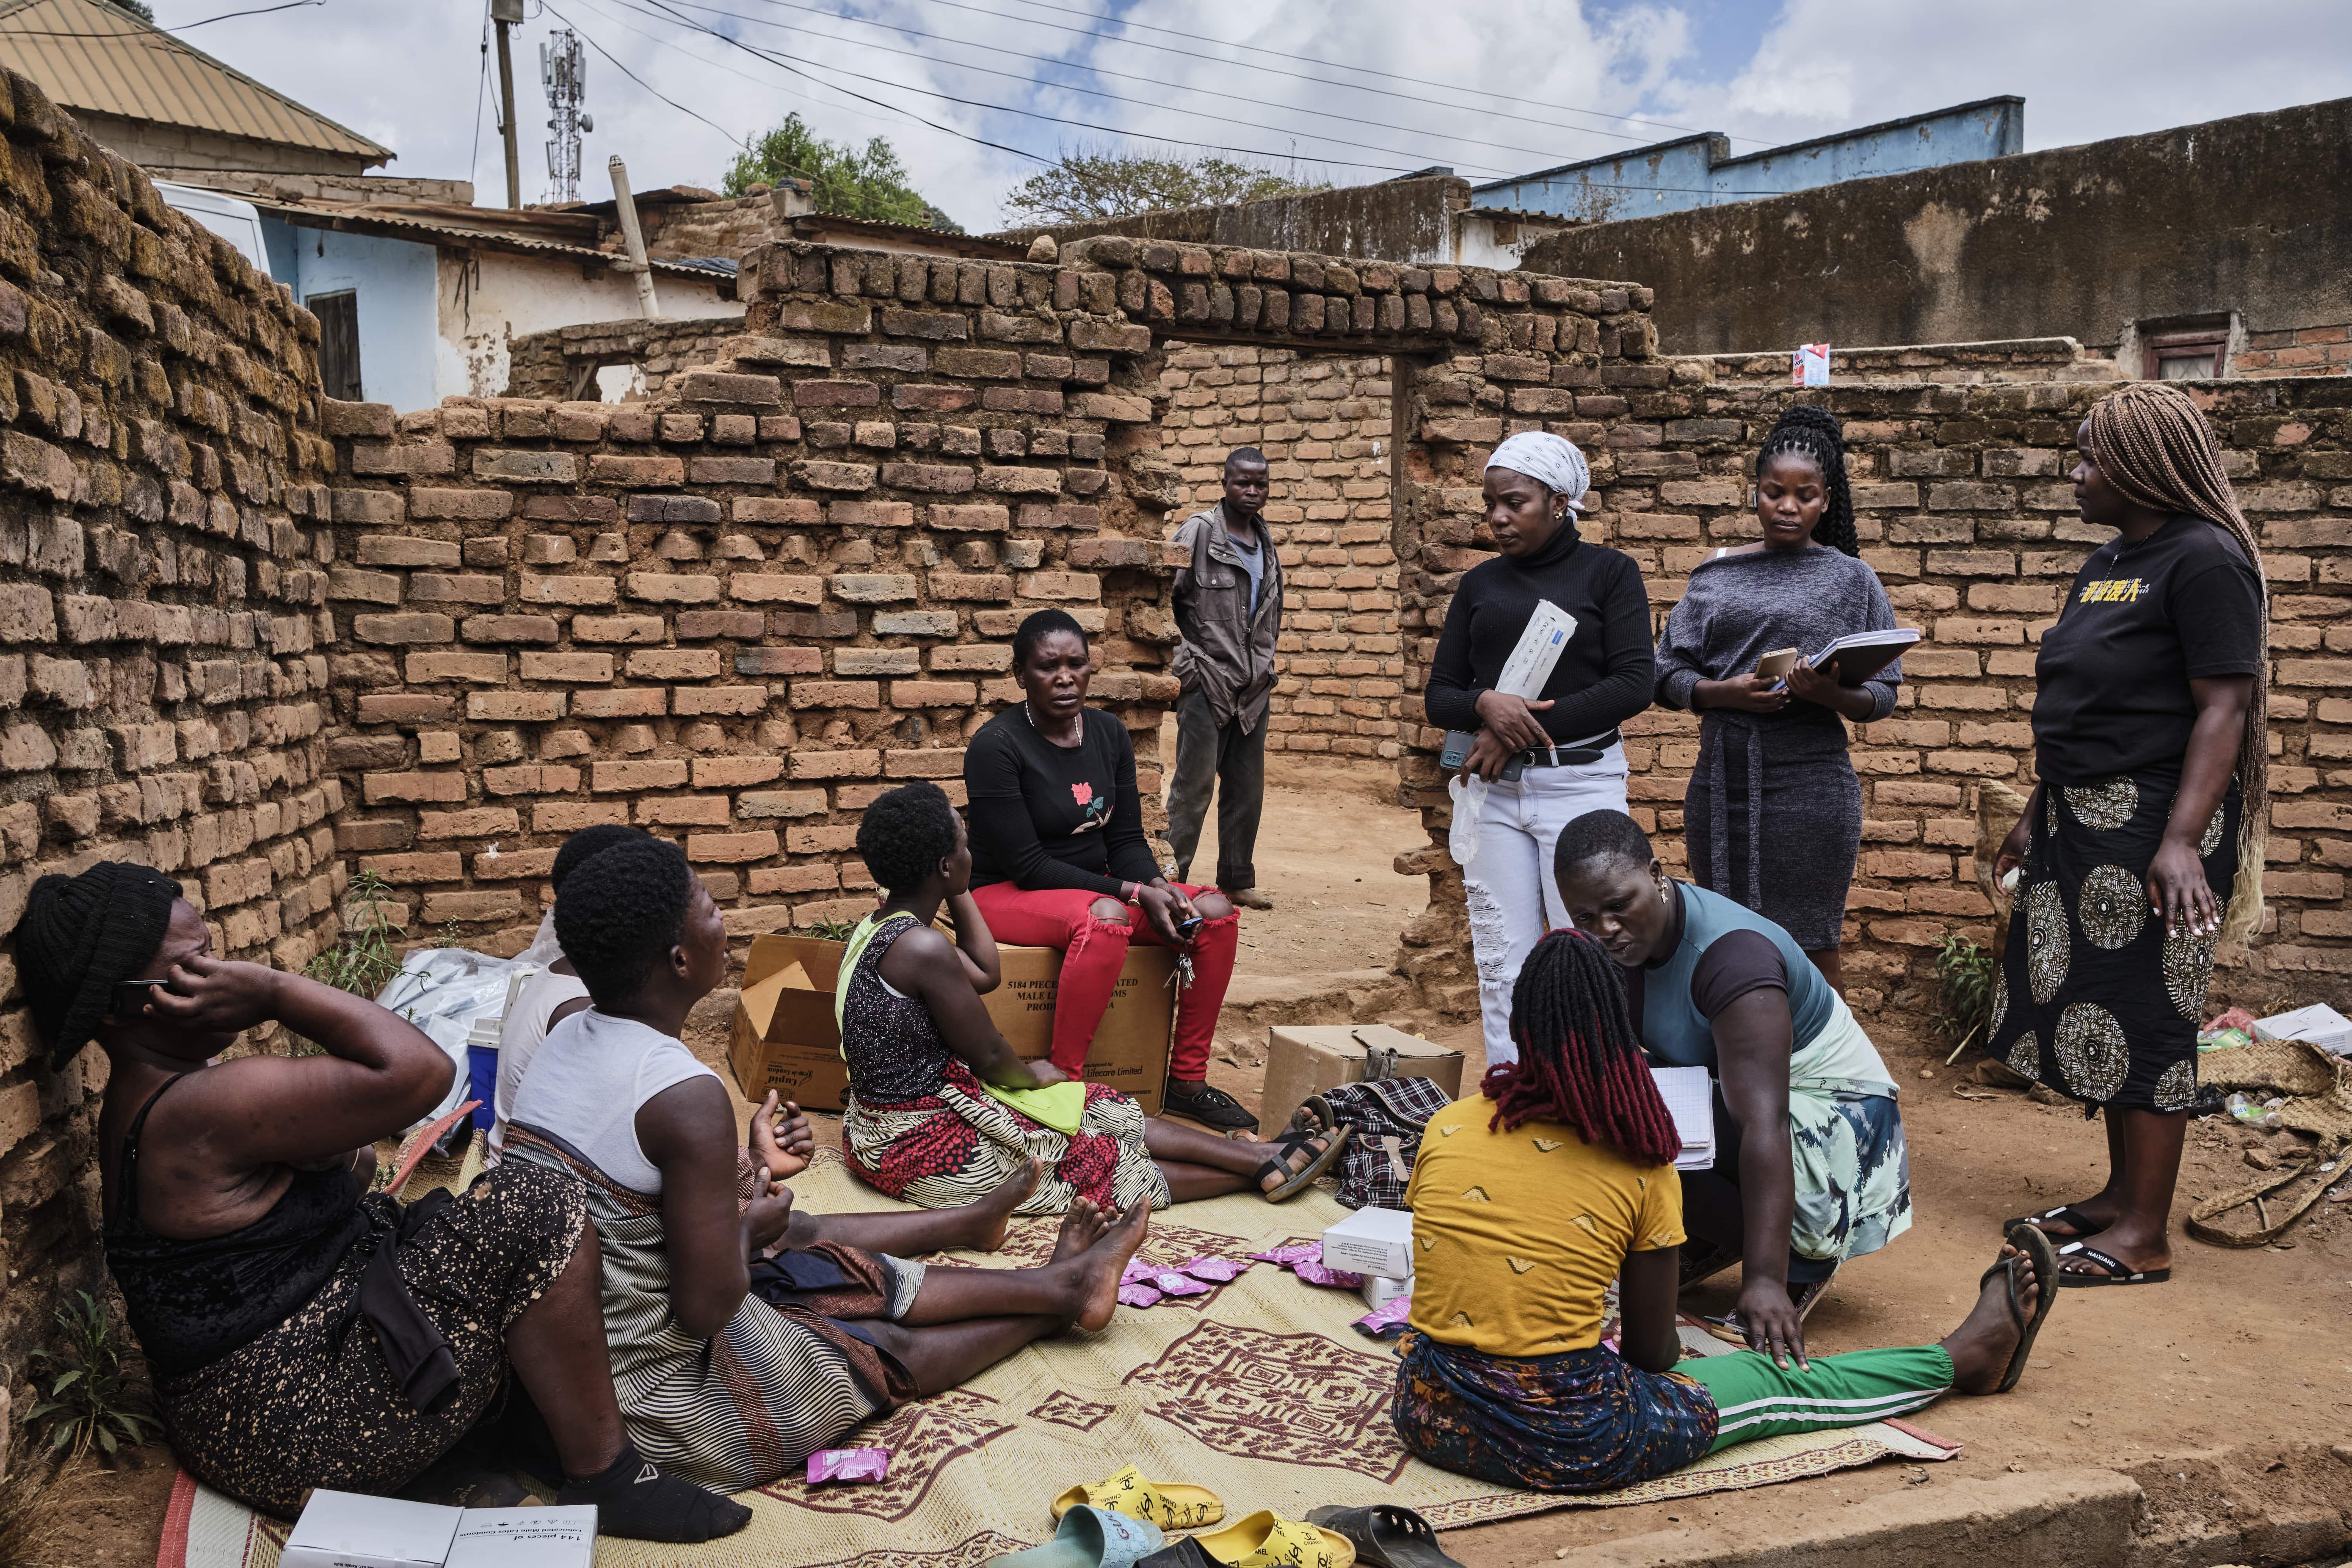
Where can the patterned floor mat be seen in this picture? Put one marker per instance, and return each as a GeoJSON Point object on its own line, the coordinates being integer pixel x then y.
{"type": "Point", "coordinates": [1260, 1390]}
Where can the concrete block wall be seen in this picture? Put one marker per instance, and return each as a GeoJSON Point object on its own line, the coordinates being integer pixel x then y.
{"type": "Point", "coordinates": [1325, 425]}
{"type": "Point", "coordinates": [1963, 506]}
{"type": "Point", "coordinates": [163, 671]}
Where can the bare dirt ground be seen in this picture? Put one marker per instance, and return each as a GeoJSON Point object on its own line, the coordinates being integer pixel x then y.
{"type": "Point", "coordinates": [2242, 1353]}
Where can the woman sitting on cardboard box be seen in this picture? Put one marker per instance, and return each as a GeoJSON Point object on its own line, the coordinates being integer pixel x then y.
{"type": "Point", "coordinates": [940, 1110]}
{"type": "Point", "coordinates": [1530, 1197]}
{"type": "Point", "coordinates": [302, 1330]}
{"type": "Point", "coordinates": [744, 1336]}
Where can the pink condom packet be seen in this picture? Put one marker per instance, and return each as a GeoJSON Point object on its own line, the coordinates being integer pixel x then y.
{"type": "Point", "coordinates": [1316, 1274]}
{"type": "Point", "coordinates": [1305, 1252]}
{"type": "Point", "coordinates": [1381, 1319]}
{"type": "Point", "coordinates": [848, 1464]}
{"type": "Point", "coordinates": [1217, 1270]}
{"type": "Point", "coordinates": [1170, 1282]}
{"type": "Point", "coordinates": [1138, 1272]}
{"type": "Point", "coordinates": [1138, 1296]}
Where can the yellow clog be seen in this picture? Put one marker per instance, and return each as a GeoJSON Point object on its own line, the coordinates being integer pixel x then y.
{"type": "Point", "coordinates": [1265, 1539]}
{"type": "Point", "coordinates": [1171, 1505]}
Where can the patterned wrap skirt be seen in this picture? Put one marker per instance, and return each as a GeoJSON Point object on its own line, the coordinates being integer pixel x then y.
{"type": "Point", "coordinates": [957, 1144]}
{"type": "Point", "coordinates": [312, 1402]}
{"type": "Point", "coordinates": [785, 1377]}
{"type": "Point", "coordinates": [2094, 999]}
{"type": "Point", "coordinates": [1582, 1421]}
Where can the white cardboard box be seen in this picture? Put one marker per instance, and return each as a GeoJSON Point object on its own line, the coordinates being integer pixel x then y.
{"type": "Point", "coordinates": [1371, 1241]}
{"type": "Point", "coordinates": [347, 1530]}
{"type": "Point", "coordinates": [525, 1538]}
{"type": "Point", "coordinates": [2321, 1025]}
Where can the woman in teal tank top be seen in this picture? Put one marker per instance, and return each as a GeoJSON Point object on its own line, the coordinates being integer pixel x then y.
{"type": "Point", "coordinates": [1810, 1165]}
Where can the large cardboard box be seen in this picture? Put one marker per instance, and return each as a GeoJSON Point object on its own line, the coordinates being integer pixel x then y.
{"type": "Point", "coordinates": [1304, 1059]}
{"type": "Point", "coordinates": [785, 1038]}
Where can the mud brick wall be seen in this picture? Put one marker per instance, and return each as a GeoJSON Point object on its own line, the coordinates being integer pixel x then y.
{"type": "Point", "coordinates": [563, 362]}
{"type": "Point", "coordinates": [1324, 425]}
{"type": "Point", "coordinates": [161, 676]}
{"type": "Point", "coordinates": [2299, 350]}
{"type": "Point", "coordinates": [2007, 363]}
{"type": "Point", "coordinates": [1963, 506]}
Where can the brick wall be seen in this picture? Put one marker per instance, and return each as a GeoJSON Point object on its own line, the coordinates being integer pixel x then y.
{"type": "Point", "coordinates": [1965, 512]}
{"type": "Point", "coordinates": [2301, 350]}
{"type": "Point", "coordinates": [1324, 425]}
{"type": "Point", "coordinates": [737, 611]}
{"type": "Point", "coordinates": [160, 696]}
{"type": "Point", "coordinates": [2007, 362]}
{"type": "Point", "coordinates": [562, 363]}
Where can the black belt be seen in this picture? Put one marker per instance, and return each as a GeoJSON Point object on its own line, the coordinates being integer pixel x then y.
{"type": "Point", "coordinates": [1562, 757]}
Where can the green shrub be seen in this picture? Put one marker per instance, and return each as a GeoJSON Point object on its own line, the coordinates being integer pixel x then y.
{"type": "Point", "coordinates": [1964, 977]}
{"type": "Point", "coordinates": [87, 1395]}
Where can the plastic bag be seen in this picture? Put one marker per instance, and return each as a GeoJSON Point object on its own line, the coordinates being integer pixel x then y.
{"type": "Point", "coordinates": [1469, 804]}
{"type": "Point", "coordinates": [443, 991]}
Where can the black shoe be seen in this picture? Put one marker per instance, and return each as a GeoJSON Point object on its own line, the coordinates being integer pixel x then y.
{"type": "Point", "coordinates": [1210, 1107]}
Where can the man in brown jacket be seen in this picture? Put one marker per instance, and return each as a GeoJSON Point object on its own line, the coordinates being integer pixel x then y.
{"type": "Point", "coordinates": [1228, 611]}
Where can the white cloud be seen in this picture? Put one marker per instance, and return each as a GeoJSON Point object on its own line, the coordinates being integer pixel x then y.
{"type": "Point", "coordinates": [406, 73]}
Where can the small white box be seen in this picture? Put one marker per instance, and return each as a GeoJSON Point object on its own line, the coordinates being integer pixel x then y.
{"type": "Point", "coordinates": [525, 1538]}
{"type": "Point", "coordinates": [347, 1530]}
{"type": "Point", "coordinates": [1378, 1290]}
{"type": "Point", "coordinates": [2319, 1024]}
{"type": "Point", "coordinates": [1371, 1241]}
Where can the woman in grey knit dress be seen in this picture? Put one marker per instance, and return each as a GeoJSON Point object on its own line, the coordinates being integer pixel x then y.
{"type": "Point", "coordinates": [1773, 814]}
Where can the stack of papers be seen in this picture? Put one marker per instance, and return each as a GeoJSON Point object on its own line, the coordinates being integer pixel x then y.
{"type": "Point", "coordinates": [1689, 1095]}
{"type": "Point", "coordinates": [2319, 1024]}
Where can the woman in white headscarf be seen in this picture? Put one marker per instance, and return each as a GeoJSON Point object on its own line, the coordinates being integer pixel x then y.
{"type": "Point", "coordinates": [1561, 746]}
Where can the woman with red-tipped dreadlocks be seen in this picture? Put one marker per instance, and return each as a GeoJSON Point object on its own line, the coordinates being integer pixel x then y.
{"type": "Point", "coordinates": [1557, 1177]}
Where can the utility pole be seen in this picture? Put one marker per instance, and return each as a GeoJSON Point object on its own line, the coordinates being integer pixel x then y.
{"type": "Point", "coordinates": [633, 236]}
{"type": "Point", "coordinates": [508, 14]}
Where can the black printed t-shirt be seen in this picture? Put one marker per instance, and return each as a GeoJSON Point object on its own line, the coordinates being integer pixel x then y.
{"type": "Point", "coordinates": [1044, 816]}
{"type": "Point", "coordinates": [2141, 623]}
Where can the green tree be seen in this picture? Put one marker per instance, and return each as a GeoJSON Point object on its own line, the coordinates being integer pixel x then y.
{"type": "Point", "coordinates": [865, 184]}
{"type": "Point", "coordinates": [139, 9]}
{"type": "Point", "coordinates": [1090, 182]}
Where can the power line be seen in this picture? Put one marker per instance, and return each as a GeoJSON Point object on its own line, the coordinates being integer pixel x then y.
{"type": "Point", "coordinates": [1094, 92]}
{"type": "Point", "coordinates": [997, 107]}
{"type": "Point", "coordinates": [1336, 64]}
{"type": "Point", "coordinates": [1298, 76]}
{"type": "Point", "coordinates": [482, 92]}
{"type": "Point", "coordinates": [633, 75]}
{"type": "Point", "coordinates": [765, 83]}
{"type": "Point", "coordinates": [141, 38]}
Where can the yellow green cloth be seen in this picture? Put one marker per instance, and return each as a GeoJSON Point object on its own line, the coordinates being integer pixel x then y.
{"type": "Point", "coordinates": [1518, 1234]}
{"type": "Point", "coordinates": [1060, 1106]}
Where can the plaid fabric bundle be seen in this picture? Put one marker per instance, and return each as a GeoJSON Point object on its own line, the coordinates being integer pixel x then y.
{"type": "Point", "coordinates": [1387, 1116]}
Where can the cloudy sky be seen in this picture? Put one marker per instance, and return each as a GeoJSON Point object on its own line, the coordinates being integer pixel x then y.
{"type": "Point", "coordinates": [975, 94]}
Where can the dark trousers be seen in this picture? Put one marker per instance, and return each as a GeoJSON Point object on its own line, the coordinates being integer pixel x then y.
{"type": "Point", "coordinates": [1231, 762]}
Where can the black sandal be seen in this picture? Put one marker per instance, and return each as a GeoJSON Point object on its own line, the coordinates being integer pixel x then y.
{"type": "Point", "coordinates": [1299, 1181]}
{"type": "Point", "coordinates": [2081, 1225]}
{"type": "Point", "coordinates": [2029, 1239]}
{"type": "Point", "coordinates": [1384, 1535]}
{"type": "Point", "coordinates": [2118, 1272]}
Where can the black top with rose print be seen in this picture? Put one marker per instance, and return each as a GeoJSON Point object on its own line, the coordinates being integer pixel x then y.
{"type": "Point", "coordinates": [1044, 815]}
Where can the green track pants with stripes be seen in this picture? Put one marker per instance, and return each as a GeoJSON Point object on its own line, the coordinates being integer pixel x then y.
{"type": "Point", "coordinates": [1756, 1399]}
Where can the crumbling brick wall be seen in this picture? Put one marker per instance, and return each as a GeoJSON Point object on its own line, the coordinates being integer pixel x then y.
{"type": "Point", "coordinates": [737, 611]}
{"type": "Point", "coordinates": [2300, 351]}
{"type": "Point", "coordinates": [1323, 422]}
{"type": "Point", "coordinates": [2007, 362]}
{"type": "Point", "coordinates": [162, 688]}
{"type": "Point", "coordinates": [1964, 509]}
{"type": "Point", "coordinates": [561, 365]}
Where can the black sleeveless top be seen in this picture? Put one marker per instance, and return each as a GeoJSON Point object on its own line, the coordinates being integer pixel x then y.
{"type": "Point", "coordinates": [892, 1046]}
{"type": "Point", "coordinates": [193, 1303]}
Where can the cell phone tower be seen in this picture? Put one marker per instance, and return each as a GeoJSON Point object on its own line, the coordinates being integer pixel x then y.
{"type": "Point", "coordinates": [563, 71]}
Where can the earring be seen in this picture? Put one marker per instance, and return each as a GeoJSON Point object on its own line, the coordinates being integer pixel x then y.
{"type": "Point", "coordinates": [1665, 895]}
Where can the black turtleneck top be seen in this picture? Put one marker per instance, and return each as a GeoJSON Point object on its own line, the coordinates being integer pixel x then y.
{"type": "Point", "coordinates": [1605, 673]}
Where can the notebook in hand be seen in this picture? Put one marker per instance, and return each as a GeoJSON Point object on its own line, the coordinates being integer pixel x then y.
{"type": "Point", "coordinates": [1689, 1095]}
{"type": "Point", "coordinates": [1855, 658]}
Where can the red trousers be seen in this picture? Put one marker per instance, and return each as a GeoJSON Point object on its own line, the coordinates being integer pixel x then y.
{"type": "Point", "coordinates": [1093, 950]}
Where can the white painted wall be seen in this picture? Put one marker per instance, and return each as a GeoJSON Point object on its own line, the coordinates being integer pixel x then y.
{"type": "Point", "coordinates": [394, 281]}
{"type": "Point", "coordinates": [1478, 239]}
{"type": "Point", "coordinates": [491, 297]}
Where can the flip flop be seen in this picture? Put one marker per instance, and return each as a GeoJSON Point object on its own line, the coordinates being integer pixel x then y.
{"type": "Point", "coordinates": [1385, 1536]}
{"type": "Point", "coordinates": [1299, 1181]}
{"type": "Point", "coordinates": [2028, 1240]}
{"type": "Point", "coordinates": [2066, 1215]}
{"type": "Point", "coordinates": [1090, 1537]}
{"type": "Point", "coordinates": [1809, 1296]}
{"type": "Point", "coordinates": [2118, 1272]}
{"type": "Point", "coordinates": [1182, 1552]}
{"type": "Point", "coordinates": [1266, 1540]}
{"type": "Point", "coordinates": [1171, 1505]}
{"type": "Point", "coordinates": [1690, 1269]}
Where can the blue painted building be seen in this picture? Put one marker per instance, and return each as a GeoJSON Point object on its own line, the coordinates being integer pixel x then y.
{"type": "Point", "coordinates": [1700, 172]}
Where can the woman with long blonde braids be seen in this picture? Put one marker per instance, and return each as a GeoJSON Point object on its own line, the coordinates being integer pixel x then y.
{"type": "Point", "coordinates": [2141, 848]}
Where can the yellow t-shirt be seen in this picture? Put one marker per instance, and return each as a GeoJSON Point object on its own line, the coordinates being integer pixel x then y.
{"type": "Point", "coordinates": [1516, 1235]}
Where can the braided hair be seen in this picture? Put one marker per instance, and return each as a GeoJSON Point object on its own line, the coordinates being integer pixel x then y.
{"type": "Point", "coordinates": [2156, 448]}
{"type": "Point", "coordinates": [1815, 434]}
{"type": "Point", "coordinates": [1581, 1061]}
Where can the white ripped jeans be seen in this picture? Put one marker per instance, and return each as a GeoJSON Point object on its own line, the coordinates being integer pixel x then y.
{"type": "Point", "coordinates": [1512, 897]}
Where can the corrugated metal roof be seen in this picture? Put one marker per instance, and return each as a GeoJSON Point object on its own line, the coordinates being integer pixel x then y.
{"type": "Point", "coordinates": [427, 225]}
{"type": "Point", "coordinates": [97, 57]}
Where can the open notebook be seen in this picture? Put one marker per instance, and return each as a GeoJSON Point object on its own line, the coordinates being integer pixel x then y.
{"type": "Point", "coordinates": [1690, 1099]}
